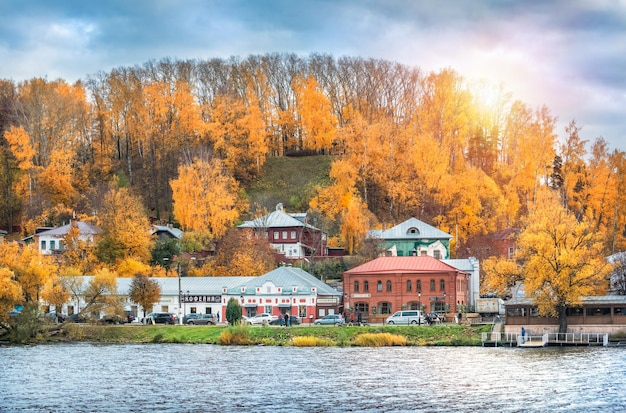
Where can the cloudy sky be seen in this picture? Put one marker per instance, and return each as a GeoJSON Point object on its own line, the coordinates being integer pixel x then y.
{"type": "Point", "coordinates": [569, 55]}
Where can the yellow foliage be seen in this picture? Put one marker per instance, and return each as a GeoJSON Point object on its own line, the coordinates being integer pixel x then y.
{"type": "Point", "coordinates": [380, 340]}
{"type": "Point", "coordinates": [32, 270]}
{"type": "Point", "coordinates": [206, 198]}
{"type": "Point", "coordinates": [129, 267]}
{"type": "Point", "coordinates": [564, 258]}
{"type": "Point", "coordinates": [10, 293]}
{"type": "Point", "coordinates": [310, 341]}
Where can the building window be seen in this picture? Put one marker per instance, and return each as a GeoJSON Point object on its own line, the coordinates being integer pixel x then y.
{"type": "Point", "coordinates": [366, 286]}
{"type": "Point", "coordinates": [302, 312]}
{"type": "Point", "coordinates": [442, 285]}
{"type": "Point", "coordinates": [423, 253]}
{"type": "Point", "coordinates": [388, 286]}
{"type": "Point", "coordinates": [293, 234]}
{"type": "Point", "coordinates": [268, 309]}
{"type": "Point", "coordinates": [284, 234]}
{"type": "Point", "coordinates": [432, 285]}
{"type": "Point", "coordinates": [43, 244]}
{"type": "Point", "coordinates": [356, 286]}
{"type": "Point", "coordinates": [511, 252]}
{"type": "Point", "coordinates": [418, 285]}
{"type": "Point", "coordinates": [384, 308]}
{"type": "Point", "coordinates": [409, 285]}
{"type": "Point", "coordinates": [362, 307]}
{"type": "Point", "coordinates": [276, 235]}
{"type": "Point", "coordinates": [52, 244]}
{"type": "Point", "coordinates": [60, 244]}
{"type": "Point", "coordinates": [379, 287]}
{"type": "Point", "coordinates": [266, 234]}
{"type": "Point", "coordinates": [437, 254]}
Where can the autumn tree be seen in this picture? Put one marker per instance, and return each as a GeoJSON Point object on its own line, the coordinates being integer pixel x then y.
{"type": "Point", "coordinates": [315, 113]}
{"type": "Point", "coordinates": [31, 270]}
{"type": "Point", "coordinates": [206, 197]}
{"type": "Point", "coordinates": [10, 294]}
{"type": "Point", "coordinates": [563, 259]}
{"type": "Point", "coordinates": [241, 252]}
{"type": "Point", "coordinates": [101, 294]}
{"type": "Point", "coordinates": [499, 275]}
{"type": "Point", "coordinates": [144, 291]}
{"type": "Point", "coordinates": [56, 292]}
{"type": "Point", "coordinates": [125, 228]}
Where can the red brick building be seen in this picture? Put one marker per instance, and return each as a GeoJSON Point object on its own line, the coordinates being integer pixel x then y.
{"type": "Point", "coordinates": [389, 284]}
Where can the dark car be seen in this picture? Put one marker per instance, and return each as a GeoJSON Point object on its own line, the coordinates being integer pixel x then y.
{"type": "Point", "coordinates": [161, 318]}
{"type": "Point", "coordinates": [293, 320]}
{"type": "Point", "coordinates": [432, 318]}
{"type": "Point", "coordinates": [203, 319]}
{"type": "Point", "coordinates": [76, 318]}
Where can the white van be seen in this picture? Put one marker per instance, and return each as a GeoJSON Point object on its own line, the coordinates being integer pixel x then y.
{"type": "Point", "coordinates": [405, 317]}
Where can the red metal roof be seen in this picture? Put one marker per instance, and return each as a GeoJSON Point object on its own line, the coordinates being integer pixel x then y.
{"type": "Point", "coordinates": [390, 265]}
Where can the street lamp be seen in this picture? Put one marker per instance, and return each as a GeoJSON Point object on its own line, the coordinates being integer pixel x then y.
{"type": "Point", "coordinates": [180, 291]}
{"type": "Point", "coordinates": [444, 302]}
{"type": "Point", "coordinates": [419, 307]}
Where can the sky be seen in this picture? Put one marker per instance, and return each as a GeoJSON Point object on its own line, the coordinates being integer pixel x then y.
{"type": "Point", "coordinates": [569, 55]}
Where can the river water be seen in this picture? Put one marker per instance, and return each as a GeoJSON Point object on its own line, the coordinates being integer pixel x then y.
{"type": "Point", "coordinates": [206, 378]}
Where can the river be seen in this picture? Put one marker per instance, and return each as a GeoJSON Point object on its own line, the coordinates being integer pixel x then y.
{"type": "Point", "coordinates": [206, 378]}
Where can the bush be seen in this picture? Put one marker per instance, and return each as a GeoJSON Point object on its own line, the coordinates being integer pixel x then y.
{"type": "Point", "coordinates": [311, 341]}
{"type": "Point", "coordinates": [380, 340]}
{"type": "Point", "coordinates": [238, 335]}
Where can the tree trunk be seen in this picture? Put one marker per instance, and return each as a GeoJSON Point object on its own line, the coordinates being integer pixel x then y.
{"type": "Point", "coordinates": [562, 319]}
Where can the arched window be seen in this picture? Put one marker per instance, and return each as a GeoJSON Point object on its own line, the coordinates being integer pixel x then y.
{"type": "Point", "coordinates": [442, 285]}
{"type": "Point", "coordinates": [432, 285]}
{"type": "Point", "coordinates": [409, 285]}
{"type": "Point", "coordinates": [362, 307]}
{"type": "Point", "coordinates": [388, 286]}
{"type": "Point", "coordinates": [384, 308]}
{"type": "Point", "coordinates": [418, 285]}
{"type": "Point", "coordinates": [366, 286]}
{"type": "Point", "coordinates": [356, 286]}
{"type": "Point", "coordinates": [379, 287]}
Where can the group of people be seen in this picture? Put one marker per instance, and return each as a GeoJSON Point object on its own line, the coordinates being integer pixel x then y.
{"type": "Point", "coordinates": [284, 319]}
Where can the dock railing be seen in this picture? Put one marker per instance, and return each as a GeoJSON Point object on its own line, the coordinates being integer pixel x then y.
{"type": "Point", "coordinates": [578, 338]}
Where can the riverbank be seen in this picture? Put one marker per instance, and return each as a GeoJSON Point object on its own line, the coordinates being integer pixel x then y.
{"type": "Point", "coordinates": [443, 335]}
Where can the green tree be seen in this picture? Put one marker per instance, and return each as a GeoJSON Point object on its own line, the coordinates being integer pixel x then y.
{"type": "Point", "coordinates": [564, 259]}
{"type": "Point", "coordinates": [144, 291]}
{"type": "Point", "coordinates": [233, 312]}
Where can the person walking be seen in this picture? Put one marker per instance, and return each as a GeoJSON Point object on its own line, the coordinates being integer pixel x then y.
{"type": "Point", "coordinates": [523, 334]}
{"type": "Point", "coordinates": [280, 319]}
{"type": "Point", "coordinates": [287, 319]}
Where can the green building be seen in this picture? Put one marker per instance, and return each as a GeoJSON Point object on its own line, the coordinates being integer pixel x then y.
{"type": "Point", "coordinates": [413, 238]}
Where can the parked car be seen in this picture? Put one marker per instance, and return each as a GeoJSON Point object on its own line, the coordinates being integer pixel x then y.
{"type": "Point", "coordinates": [113, 319]}
{"type": "Point", "coordinates": [161, 318]}
{"type": "Point", "coordinates": [293, 319]}
{"type": "Point", "coordinates": [203, 319]}
{"type": "Point", "coordinates": [190, 316]}
{"type": "Point", "coordinates": [336, 319]}
{"type": "Point", "coordinates": [259, 318]}
{"type": "Point", "coordinates": [405, 317]}
{"type": "Point", "coordinates": [55, 318]}
{"type": "Point", "coordinates": [77, 318]}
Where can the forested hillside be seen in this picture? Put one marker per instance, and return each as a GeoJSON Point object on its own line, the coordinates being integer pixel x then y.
{"type": "Point", "coordinates": [191, 140]}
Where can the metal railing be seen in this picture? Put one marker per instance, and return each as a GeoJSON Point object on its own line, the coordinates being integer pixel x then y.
{"type": "Point", "coordinates": [498, 338]}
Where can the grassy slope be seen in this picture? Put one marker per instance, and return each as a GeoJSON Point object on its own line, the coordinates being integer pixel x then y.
{"type": "Point", "coordinates": [290, 181]}
{"type": "Point", "coordinates": [446, 335]}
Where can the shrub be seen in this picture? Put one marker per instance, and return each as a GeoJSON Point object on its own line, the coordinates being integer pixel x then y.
{"type": "Point", "coordinates": [380, 340]}
{"type": "Point", "coordinates": [310, 341]}
{"type": "Point", "coordinates": [235, 336]}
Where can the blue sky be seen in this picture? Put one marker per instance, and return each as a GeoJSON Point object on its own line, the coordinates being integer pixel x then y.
{"type": "Point", "coordinates": [569, 55]}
